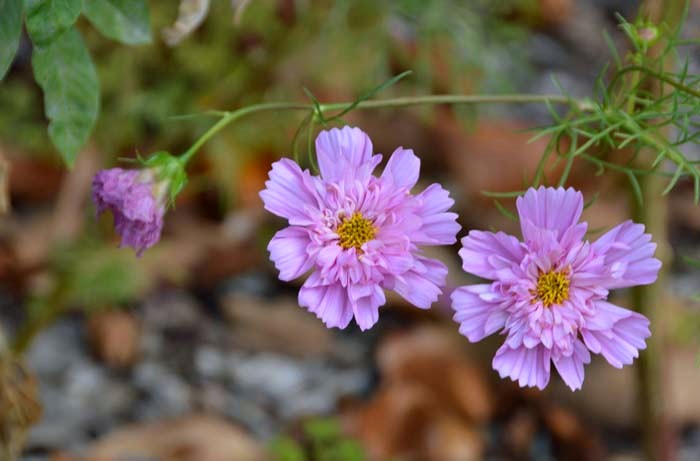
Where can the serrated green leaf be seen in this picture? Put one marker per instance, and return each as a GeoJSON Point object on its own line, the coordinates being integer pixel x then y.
{"type": "Point", "coordinates": [47, 19]}
{"type": "Point", "coordinates": [10, 31]}
{"type": "Point", "coordinates": [127, 21]}
{"type": "Point", "coordinates": [67, 75]}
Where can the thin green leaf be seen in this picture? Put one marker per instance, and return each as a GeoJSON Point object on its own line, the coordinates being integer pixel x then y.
{"type": "Point", "coordinates": [660, 156]}
{"type": "Point", "coordinates": [297, 136]}
{"type": "Point", "coordinates": [613, 49]}
{"type": "Point", "coordinates": [371, 93]}
{"type": "Point", "coordinates": [511, 194]}
{"type": "Point", "coordinates": [310, 146]}
{"type": "Point", "coordinates": [318, 110]}
{"type": "Point", "coordinates": [539, 172]}
{"type": "Point", "coordinates": [673, 181]}
{"type": "Point", "coordinates": [127, 21]}
{"type": "Point", "coordinates": [636, 188]}
{"type": "Point", "coordinates": [10, 31]}
{"type": "Point", "coordinates": [591, 201]}
{"type": "Point", "coordinates": [47, 19]}
{"type": "Point", "coordinates": [504, 211]}
{"type": "Point", "coordinates": [67, 75]}
{"type": "Point", "coordinates": [567, 169]}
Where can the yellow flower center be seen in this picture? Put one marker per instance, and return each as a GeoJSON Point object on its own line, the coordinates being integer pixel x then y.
{"type": "Point", "coordinates": [553, 288]}
{"type": "Point", "coordinates": [355, 231]}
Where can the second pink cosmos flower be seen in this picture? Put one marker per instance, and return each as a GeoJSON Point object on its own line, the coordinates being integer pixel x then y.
{"type": "Point", "coordinates": [548, 294]}
{"type": "Point", "coordinates": [357, 233]}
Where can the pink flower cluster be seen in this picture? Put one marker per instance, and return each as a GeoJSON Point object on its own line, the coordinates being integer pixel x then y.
{"type": "Point", "coordinates": [356, 234]}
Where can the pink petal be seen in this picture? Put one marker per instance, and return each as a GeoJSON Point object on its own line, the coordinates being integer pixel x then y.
{"type": "Point", "coordinates": [620, 344]}
{"type": "Point", "coordinates": [438, 227]}
{"type": "Point", "coordinates": [571, 368]}
{"type": "Point", "coordinates": [402, 169]}
{"type": "Point", "coordinates": [330, 303]}
{"type": "Point", "coordinates": [290, 192]}
{"type": "Point", "coordinates": [549, 208]}
{"type": "Point", "coordinates": [288, 251]}
{"type": "Point", "coordinates": [628, 254]}
{"type": "Point", "coordinates": [422, 285]}
{"type": "Point", "coordinates": [478, 311]}
{"type": "Point", "coordinates": [345, 153]}
{"type": "Point", "coordinates": [606, 315]}
{"type": "Point", "coordinates": [529, 367]}
{"type": "Point", "coordinates": [485, 253]}
{"type": "Point", "coordinates": [366, 300]}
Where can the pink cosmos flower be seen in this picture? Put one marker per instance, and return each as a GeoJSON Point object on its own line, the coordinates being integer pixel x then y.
{"type": "Point", "coordinates": [549, 293]}
{"type": "Point", "coordinates": [355, 232]}
{"type": "Point", "coordinates": [132, 197]}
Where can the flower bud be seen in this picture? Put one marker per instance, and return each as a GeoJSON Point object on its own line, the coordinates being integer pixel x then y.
{"type": "Point", "coordinates": [138, 198]}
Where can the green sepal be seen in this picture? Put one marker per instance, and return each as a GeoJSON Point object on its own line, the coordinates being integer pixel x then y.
{"type": "Point", "coordinates": [170, 169]}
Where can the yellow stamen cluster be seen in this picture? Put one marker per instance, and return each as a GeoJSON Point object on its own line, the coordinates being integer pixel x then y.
{"type": "Point", "coordinates": [355, 231]}
{"type": "Point", "coordinates": [552, 288]}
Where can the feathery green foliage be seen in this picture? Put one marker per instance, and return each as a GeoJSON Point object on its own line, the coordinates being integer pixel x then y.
{"type": "Point", "coordinates": [624, 116]}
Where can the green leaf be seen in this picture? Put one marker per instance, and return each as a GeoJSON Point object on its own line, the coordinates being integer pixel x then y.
{"type": "Point", "coordinates": [286, 449]}
{"type": "Point", "coordinates": [65, 72]}
{"type": "Point", "coordinates": [691, 261]}
{"type": "Point", "coordinates": [10, 31]}
{"type": "Point", "coordinates": [47, 19]}
{"type": "Point", "coordinates": [127, 21]}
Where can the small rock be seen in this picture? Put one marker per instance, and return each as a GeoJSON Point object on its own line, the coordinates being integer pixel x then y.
{"type": "Point", "coordinates": [53, 351]}
{"type": "Point", "coordinates": [274, 375]}
{"type": "Point", "coordinates": [166, 394]}
{"type": "Point", "coordinates": [210, 362]}
{"type": "Point", "coordinates": [176, 310]}
{"type": "Point", "coordinates": [245, 410]}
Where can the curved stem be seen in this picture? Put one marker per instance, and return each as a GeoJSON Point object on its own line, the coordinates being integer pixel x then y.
{"type": "Point", "coordinates": [457, 99]}
{"type": "Point", "coordinates": [656, 75]}
{"type": "Point", "coordinates": [229, 117]}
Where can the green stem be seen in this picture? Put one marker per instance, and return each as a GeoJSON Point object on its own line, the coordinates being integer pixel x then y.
{"type": "Point", "coordinates": [648, 299]}
{"type": "Point", "coordinates": [457, 99]}
{"type": "Point", "coordinates": [229, 117]}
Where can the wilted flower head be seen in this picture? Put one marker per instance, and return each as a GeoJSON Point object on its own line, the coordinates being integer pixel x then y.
{"type": "Point", "coordinates": [138, 198]}
{"type": "Point", "coordinates": [549, 293]}
{"type": "Point", "coordinates": [355, 232]}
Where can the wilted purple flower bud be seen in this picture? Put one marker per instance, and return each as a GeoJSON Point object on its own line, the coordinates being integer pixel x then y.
{"type": "Point", "coordinates": [137, 202]}
{"type": "Point", "coordinates": [138, 198]}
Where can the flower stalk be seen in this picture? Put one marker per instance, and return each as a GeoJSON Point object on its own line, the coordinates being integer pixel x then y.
{"type": "Point", "coordinates": [321, 110]}
{"type": "Point", "coordinates": [653, 213]}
